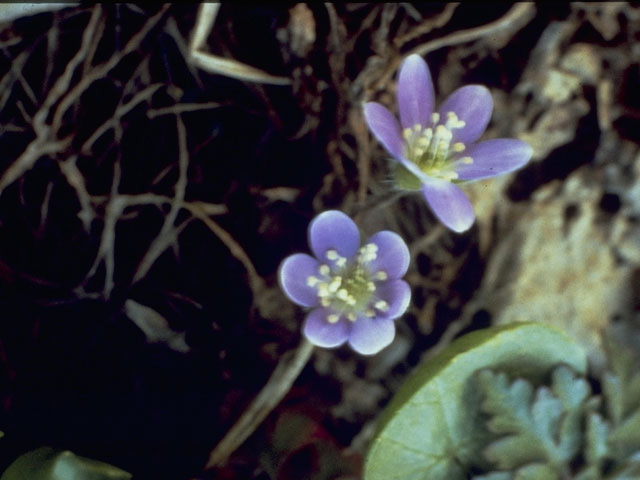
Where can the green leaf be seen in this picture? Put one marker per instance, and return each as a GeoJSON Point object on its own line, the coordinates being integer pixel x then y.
{"type": "Point", "coordinates": [433, 427]}
{"type": "Point", "coordinates": [544, 429]}
{"type": "Point", "coordinates": [596, 448]}
{"type": "Point", "coordinates": [536, 471]}
{"type": "Point", "coordinates": [621, 387]}
{"type": "Point", "coordinates": [494, 476]}
{"type": "Point", "coordinates": [589, 473]}
{"type": "Point", "coordinates": [48, 464]}
{"type": "Point", "coordinates": [625, 437]}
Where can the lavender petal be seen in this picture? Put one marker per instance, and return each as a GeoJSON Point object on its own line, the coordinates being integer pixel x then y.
{"type": "Point", "coordinates": [293, 274]}
{"type": "Point", "coordinates": [370, 335]}
{"type": "Point", "coordinates": [385, 127]}
{"type": "Point", "coordinates": [472, 104]}
{"type": "Point", "coordinates": [494, 157]}
{"type": "Point", "coordinates": [450, 204]}
{"type": "Point", "coordinates": [333, 230]}
{"type": "Point", "coordinates": [397, 294]}
{"type": "Point", "coordinates": [416, 97]}
{"type": "Point", "coordinates": [392, 257]}
{"type": "Point", "coordinates": [321, 332]}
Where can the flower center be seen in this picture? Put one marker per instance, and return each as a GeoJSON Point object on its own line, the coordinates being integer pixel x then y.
{"type": "Point", "coordinates": [430, 148]}
{"type": "Point", "coordinates": [348, 288]}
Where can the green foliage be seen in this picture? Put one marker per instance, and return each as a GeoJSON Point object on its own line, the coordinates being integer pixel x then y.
{"type": "Point", "coordinates": [540, 433]}
{"type": "Point", "coordinates": [562, 431]}
{"type": "Point", "coordinates": [433, 428]}
{"type": "Point", "coordinates": [49, 464]}
{"type": "Point", "coordinates": [476, 407]}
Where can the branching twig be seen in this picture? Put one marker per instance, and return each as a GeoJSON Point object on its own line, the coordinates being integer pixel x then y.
{"type": "Point", "coordinates": [167, 232]}
{"type": "Point", "coordinates": [101, 70]}
{"type": "Point", "coordinates": [74, 177]}
{"type": "Point", "coordinates": [516, 17]}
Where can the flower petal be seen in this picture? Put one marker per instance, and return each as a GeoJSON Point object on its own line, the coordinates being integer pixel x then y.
{"type": "Point", "coordinates": [321, 332]}
{"type": "Point", "coordinates": [393, 255]}
{"type": "Point", "coordinates": [450, 204]}
{"type": "Point", "coordinates": [415, 92]}
{"type": "Point", "coordinates": [397, 294]}
{"type": "Point", "coordinates": [370, 335]}
{"type": "Point", "coordinates": [494, 157]}
{"type": "Point", "coordinates": [333, 230]}
{"type": "Point", "coordinates": [472, 104]}
{"type": "Point", "coordinates": [385, 127]}
{"type": "Point", "coordinates": [293, 274]}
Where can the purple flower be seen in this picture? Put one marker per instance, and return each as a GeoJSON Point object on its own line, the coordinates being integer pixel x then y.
{"type": "Point", "coordinates": [436, 150]}
{"type": "Point", "coordinates": [355, 292]}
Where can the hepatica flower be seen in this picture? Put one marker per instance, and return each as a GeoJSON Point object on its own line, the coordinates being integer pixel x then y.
{"type": "Point", "coordinates": [355, 292]}
{"type": "Point", "coordinates": [436, 150]}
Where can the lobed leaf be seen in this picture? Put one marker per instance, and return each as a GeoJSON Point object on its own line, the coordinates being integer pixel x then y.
{"type": "Point", "coordinates": [543, 429]}
{"type": "Point", "coordinates": [433, 427]}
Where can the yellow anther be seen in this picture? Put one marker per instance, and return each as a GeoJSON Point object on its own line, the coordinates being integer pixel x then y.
{"type": "Point", "coordinates": [449, 175]}
{"type": "Point", "coordinates": [381, 275]}
{"type": "Point", "coordinates": [443, 133]}
{"type": "Point", "coordinates": [324, 270]}
{"type": "Point", "coordinates": [332, 254]}
{"type": "Point", "coordinates": [351, 301]}
{"type": "Point", "coordinates": [453, 121]}
{"type": "Point", "coordinates": [467, 160]}
{"type": "Point", "coordinates": [325, 302]}
{"type": "Point", "coordinates": [417, 127]}
{"type": "Point", "coordinates": [368, 252]}
{"type": "Point", "coordinates": [424, 142]}
{"type": "Point", "coordinates": [312, 281]}
{"type": "Point", "coordinates": [458, 147]}
{"type": "Point", "coordinates": [342, 294]}
{"type": "Point", "coordinates": [333, 318]}
{"type": "Point", "coordinates": [335, 284]}
{"type": "Point", "coordinates": [341, 261]}
{"type": "Point", "coordinates": [371, 286]}
{"type": "Point", "coordinates": [370, 313]}
{"type": "Point", "coordinates": [351, 316]}
{"type": "Point", "coordinates": [407, 133]}
{"type": "Point", "coordinates": [323, 289]}
{"type": "Point", "coordinates": [435, 117]}
{"type": "Point", "coordinates": [381, 305]}
{"type": "Point", "coordinates": [419, 151]}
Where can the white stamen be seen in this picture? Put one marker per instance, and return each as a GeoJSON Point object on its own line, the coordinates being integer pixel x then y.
{"type": "Point", "coordinates": [325, 302]}
{"type": "Point", "coordinates": [417, 127]}
{"type": "Point", "coordinates": [332, 255]}
{"type": "Point", "coordinates": [335, 284]}
{"type": "Point", "coordinates": [323, 289]}
{"type": "Point", "coordinates": [458, 147]}
{"type": "Point", "coordinates": [466, 160]}
{"type": "Point", "coordinates": [371, 286]}
{"type": "Point", "coordinates": [312, 281]}
{"type": "Point", "coordinates": [381, 305]}
{"type": "Point", "coordinates": [435, 117]}
{"type": "Point", "coordinates": [407, 133]}
{"type": "Point", "coordinates": [370, 313]}
{"type": "Point", "coordinates": [324, 270]}
{"type": "Point", "coordinates": [381, 275]}
{"type": "Point", "coordinates": [333, 318]}
{"type": "Point", "coordinates": [351, 316]}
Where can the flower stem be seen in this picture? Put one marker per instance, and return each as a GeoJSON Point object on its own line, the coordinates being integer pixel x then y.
{"type": "Point", "coordinates": [276, 388]}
